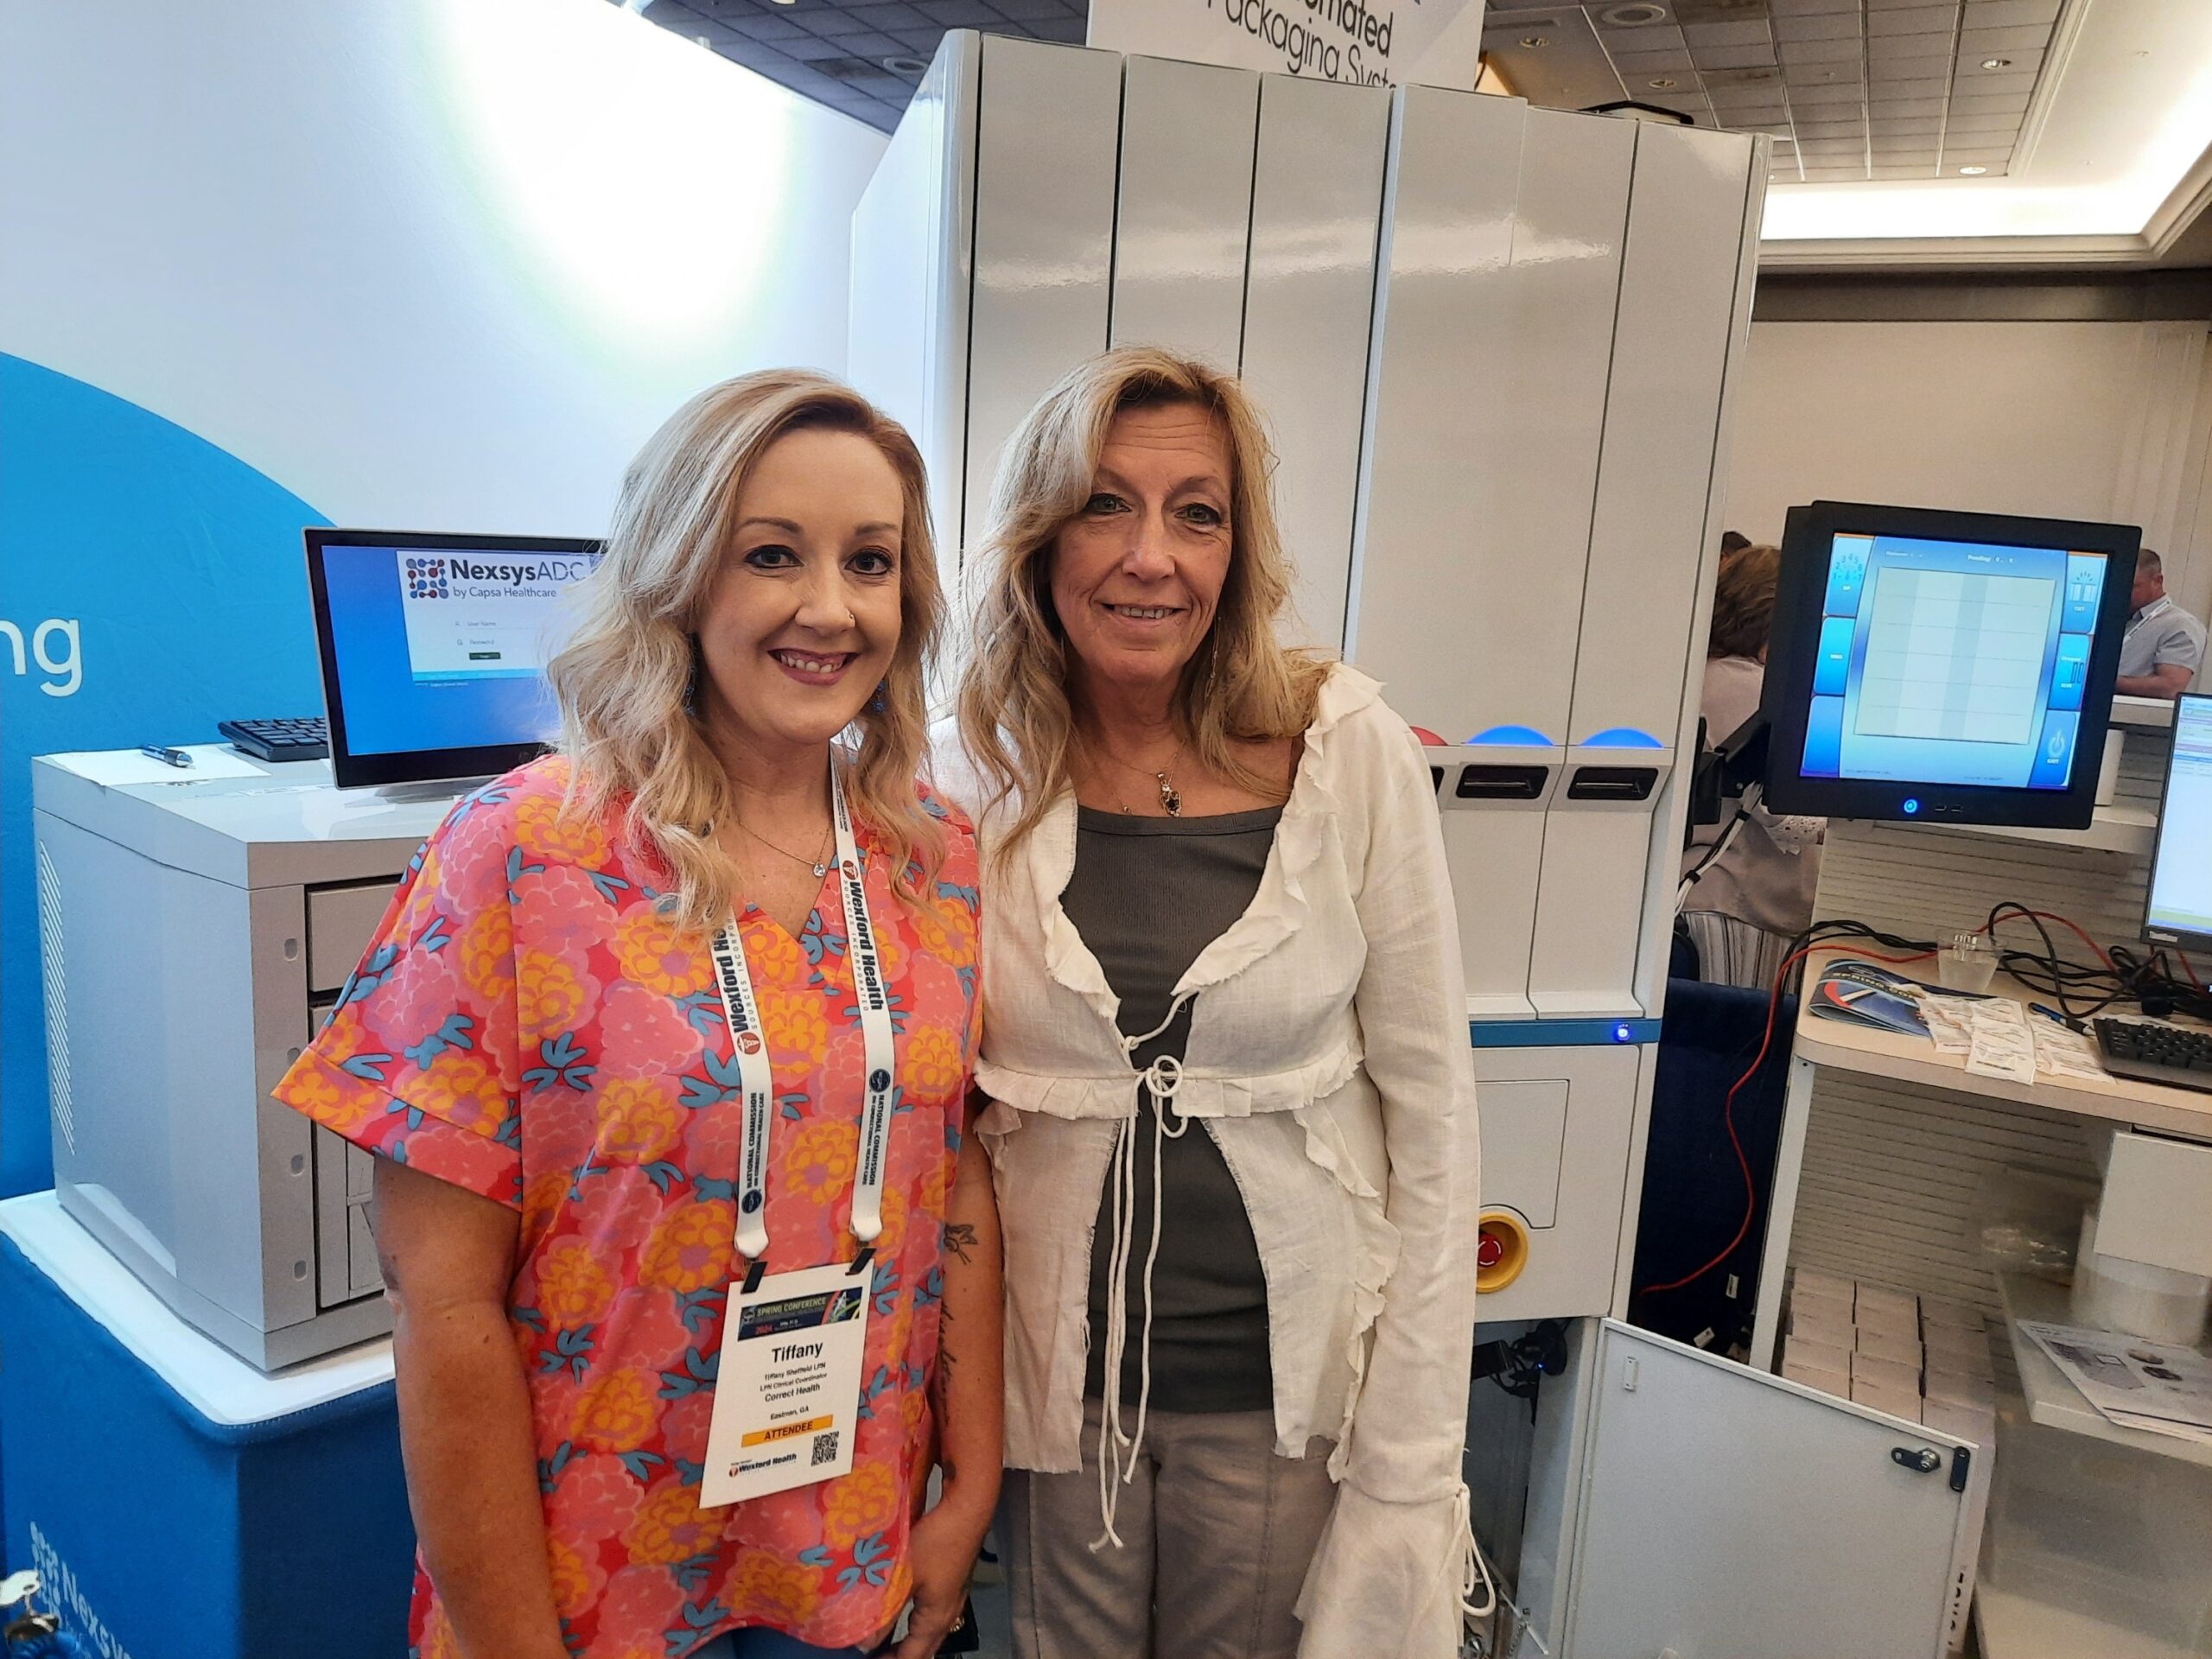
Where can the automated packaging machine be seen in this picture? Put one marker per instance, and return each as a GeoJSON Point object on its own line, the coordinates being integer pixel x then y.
{"type": "Point", "coordinates": [1494, 345]}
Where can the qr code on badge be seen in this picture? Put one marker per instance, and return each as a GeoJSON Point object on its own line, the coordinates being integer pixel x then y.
{"type": "Point", "coordinates": [825, 1448]}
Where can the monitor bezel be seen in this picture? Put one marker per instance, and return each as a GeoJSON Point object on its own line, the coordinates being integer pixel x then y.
{"type": "Point", "coordinates": [385, 768]}
{"type": "Point", "coordinates": [2178, 939]}
{"type": "Point", "coordinates": [1794, 650]}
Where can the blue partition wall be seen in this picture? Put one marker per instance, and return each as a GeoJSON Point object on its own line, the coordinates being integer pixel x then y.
{"type": "Point", "coordinates": [156, 585]}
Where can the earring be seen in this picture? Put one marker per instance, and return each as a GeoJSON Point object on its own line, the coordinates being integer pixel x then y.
{"type": "Point", "coordinates": [691, 681]}
{"type": "Point", "coordinates": [876, 704]}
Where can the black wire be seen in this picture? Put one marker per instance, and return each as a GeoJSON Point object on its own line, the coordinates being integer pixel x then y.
{"type": "Point", "coordinates": [1720, 846]}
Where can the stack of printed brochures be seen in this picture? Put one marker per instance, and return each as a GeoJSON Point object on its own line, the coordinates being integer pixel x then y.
{"type": "Point", "coordinates": [1995, 1034]}
{"type": "Point", "coordinates": [2152, 1386]}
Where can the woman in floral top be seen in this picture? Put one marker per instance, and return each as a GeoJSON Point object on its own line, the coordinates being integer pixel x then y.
{"type": "Point", "coordinates": [537, 1048]}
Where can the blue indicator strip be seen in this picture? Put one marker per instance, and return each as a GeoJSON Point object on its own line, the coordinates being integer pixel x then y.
{"type": "Point", "coordinates": [1561, 1033]}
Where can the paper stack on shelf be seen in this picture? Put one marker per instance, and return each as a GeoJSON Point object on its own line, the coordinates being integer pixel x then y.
{"type": "Point", "coordinates": [2131, 1382]}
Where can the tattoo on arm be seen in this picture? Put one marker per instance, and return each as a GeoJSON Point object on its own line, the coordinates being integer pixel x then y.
{"type": "Point", "coordinates": [960, 1241]}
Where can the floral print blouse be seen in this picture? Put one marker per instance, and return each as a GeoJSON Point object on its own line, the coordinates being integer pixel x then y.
{"type": "Point", "coordinates": [529, 1026]}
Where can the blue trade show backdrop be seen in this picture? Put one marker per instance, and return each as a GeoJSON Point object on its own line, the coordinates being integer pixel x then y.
{"type": "Point", "coordinates": [151, 585]}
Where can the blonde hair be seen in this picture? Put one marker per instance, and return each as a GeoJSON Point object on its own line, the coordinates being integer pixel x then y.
{"type": "Point", "coordinates": [1241, 683]}
{"type": "Point", "coordinates": [1743, 601]}
{"type": "Point", "coordinates": [625, 679]}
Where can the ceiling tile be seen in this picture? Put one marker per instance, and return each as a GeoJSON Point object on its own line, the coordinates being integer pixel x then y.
{"type": "Point", "coordinates": [1744, 34]}
{"type": "Point", "coordinates": [1890, 72]}
{"type": "Point", "coordinates": [1888, 173]}
{"type": "Point", "coordinates": [1880, 106]}
{"type": "Point", "coordinates": [1845, 92]}
{"type": "Point", "coordinates": [1911, 20]}
{"type": "Point", "coordinates": [1818, 129]}
{"type": "Point", "coordinates": [1955, 156]}
{"type": "Point", "coordinates": [2010, 13]}
{"type": "Point", "coordinates": [1734, 57]}
{"type": "Point", "coordinates": [1833, 174]}
{"type": "Point", "coordinates": [1905, 153]}
{"type": "Point", "coordinates": [1649, 37]}
{"type": "Point", "coordinates": [1929, 127]}
{"type": "Point", "coordinates": [1830, 26]}
{"type": "Point", "coordinates": [1067, 31]}
{"type": "Point", "coordinates": [1822, 74]}
{"type": "Point", "coordinates": [1836, 51]}
{"type": "Point", "coordinates": [1966, 121]}
{"type": "Point", "coordinates": [1884, 48]}
{"type": "Point", "coordinates": [1948, 6]}
{"type": "Point", "coordinates": [2015, 104]}
{"type": "Point", "coordinates": [890, 15]}
{"type": "Point", "coordinates": [1980, 42]}
{"type": "Point", "coordinates": [1800, 7]}
{"type": "Point", "coordinates": [1628, 63]}
{"type": "Point", "coordinates": [1995, 83]}
{"type": "Point", "coordinates": [957, 14]}
{"type": "Point", "coordinates": [770, 29]}
{"type": "Point", "coordinates": [922, 42]}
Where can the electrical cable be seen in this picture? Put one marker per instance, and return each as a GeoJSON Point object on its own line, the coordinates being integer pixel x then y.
{"type": "Point", "coordinates": [1722, 843]}
{"type": "Point", "coordinates": [2122, 977]}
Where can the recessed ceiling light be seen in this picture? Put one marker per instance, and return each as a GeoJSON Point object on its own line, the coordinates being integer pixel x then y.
{"type": "Point", "coordinates": [908, 67]}
{"type": "Point", "coordinates": [1997, 63]}
{"type": "Point", "coordinates": [1974, 172]}
{"type": "Point", "coordinates": [1632, 17]}
{"type": "Point", "coordinates": [1532, 42]}
{"type": "Point", "coordinates": [1664, 84]}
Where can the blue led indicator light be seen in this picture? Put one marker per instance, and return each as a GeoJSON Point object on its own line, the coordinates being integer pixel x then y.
{"type": "Point", "coordinates": [1622, 1033]}
{"type": "Point", "coordinates": [1911, 806]}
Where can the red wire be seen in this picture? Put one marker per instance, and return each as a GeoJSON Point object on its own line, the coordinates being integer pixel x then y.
{"type": "Point", "coordinates": [1728, 1106]}
{"type": "Point", "coordinates": [2190, 967]}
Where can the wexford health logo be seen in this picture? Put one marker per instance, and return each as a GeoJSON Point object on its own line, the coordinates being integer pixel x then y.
{"type": "Point", "coordinates": [426, 579]}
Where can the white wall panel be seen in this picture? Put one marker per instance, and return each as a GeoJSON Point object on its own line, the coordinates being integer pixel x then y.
{"type": "Point", "coordinates": [913, 241]}
{"type": "Point", "coordinates": [1047, 135]}
{"type": "Point", "coordinates": [1418, 614]}
{"type": "Point", "coordinates": [1182, 223]}
{"type": "Point", "coordinates": [1542, 410]}
{"type": "Point", "coordinates": [1317, 212]}
{"type": "Point", "coordinates": [1662, 413]}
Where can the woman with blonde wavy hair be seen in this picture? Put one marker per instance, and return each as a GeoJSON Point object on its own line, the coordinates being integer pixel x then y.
{"type": "Point", "coordinates": [1232, 1123]}
{"type": "Point", "coordinates": [664, 1046]}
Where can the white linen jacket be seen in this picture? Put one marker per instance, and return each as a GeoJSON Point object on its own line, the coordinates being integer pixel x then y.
{"type": "Point", "coordinates": [1328, 1057]}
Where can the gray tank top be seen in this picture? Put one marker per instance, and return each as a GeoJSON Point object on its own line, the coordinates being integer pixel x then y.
{"type": "Point", "coordinates": [1148, 895]}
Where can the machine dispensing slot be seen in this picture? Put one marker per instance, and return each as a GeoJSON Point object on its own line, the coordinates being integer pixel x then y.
{"type": "Point", "coordinates": [1436, 778]}
{"type": "Point", "coordinates": [1500, 783]}
{"type": "Point", "coordinates": [1611, 784]}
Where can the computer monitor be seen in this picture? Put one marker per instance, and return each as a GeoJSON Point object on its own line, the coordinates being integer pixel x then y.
{"type": "Point", "coordinates": [1944, 667]}
{"type": "Point", "coordinates": [2177, 905]}
{"type": "Point", "coordinates": [434, 648]}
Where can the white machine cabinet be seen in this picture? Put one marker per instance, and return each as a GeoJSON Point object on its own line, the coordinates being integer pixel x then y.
{"type": "Point", "coordinates": [195, 933]}
{"type": "Point", "coordinates": [1726, 1514]}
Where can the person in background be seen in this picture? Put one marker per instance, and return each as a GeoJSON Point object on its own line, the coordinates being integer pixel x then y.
{"type": "Point", "coordinates": [1748, 903]}
{"type": "Point", "coordinates": [589, 970]}
{"type": "Point", "coordinates": [2159, 654]}
{"type": "Point", "coordinates": [1233, 1107]}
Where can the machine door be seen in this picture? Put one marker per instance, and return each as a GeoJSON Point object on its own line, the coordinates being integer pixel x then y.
{"type": "Point", "coordinates": [1729, 1515]}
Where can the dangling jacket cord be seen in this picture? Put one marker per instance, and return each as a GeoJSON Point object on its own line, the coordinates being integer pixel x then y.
{"type": "Point", "coordinates": [1118, 1453]}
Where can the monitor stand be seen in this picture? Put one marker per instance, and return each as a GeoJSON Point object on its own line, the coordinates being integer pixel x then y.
{"type": "Point", "coordinates": [434, 789]}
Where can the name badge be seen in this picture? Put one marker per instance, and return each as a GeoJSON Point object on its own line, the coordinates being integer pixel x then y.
{"type": "Point", "coordinates": [787, 1394]}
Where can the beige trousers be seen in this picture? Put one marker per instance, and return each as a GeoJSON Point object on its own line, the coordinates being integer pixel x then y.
{"type": "Point", "coordinates": [1217, 1532]}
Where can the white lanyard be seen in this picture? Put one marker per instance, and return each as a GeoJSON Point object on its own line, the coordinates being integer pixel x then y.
{"type": "Point", "coordinates": [742, 1010]}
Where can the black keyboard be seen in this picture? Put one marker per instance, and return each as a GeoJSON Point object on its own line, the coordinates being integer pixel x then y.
{"type": "Point", "coordinates": [279, 739]}
{"type": "Point", "coordinates": [2154, 1052]}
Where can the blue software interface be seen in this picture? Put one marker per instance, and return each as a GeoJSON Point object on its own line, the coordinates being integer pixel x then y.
{"type": "Point", "coordinates": [1951, 662]}
{"type": "Point", "coordinates": [445, 649]}
{"type": "Point", "coordinates": [2180, 876]}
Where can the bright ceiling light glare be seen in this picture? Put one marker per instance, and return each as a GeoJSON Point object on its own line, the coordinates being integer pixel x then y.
{"type": "Point", "coordinates": [1997, 63]}
{"type": "Point", "coordinates": [2121, 137]}
{"type": "Point", "coordinates": [1662, 84]}
{"type": "Point", "coordinates": [1532, 42]}
{"type": "Point", "coordinates": [557, 119]}
{"type": "Point", "coordinates": [1971, 172]}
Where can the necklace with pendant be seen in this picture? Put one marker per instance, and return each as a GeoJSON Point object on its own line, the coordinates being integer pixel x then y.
{"type": "Point", "coordinates": [1171, 799]}
{"type": "Point", "coordinates": [820, 865]}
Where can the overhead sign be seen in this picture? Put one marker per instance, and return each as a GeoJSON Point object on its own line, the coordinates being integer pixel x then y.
{"type": "Point", "coordinates": [1365, 43]}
